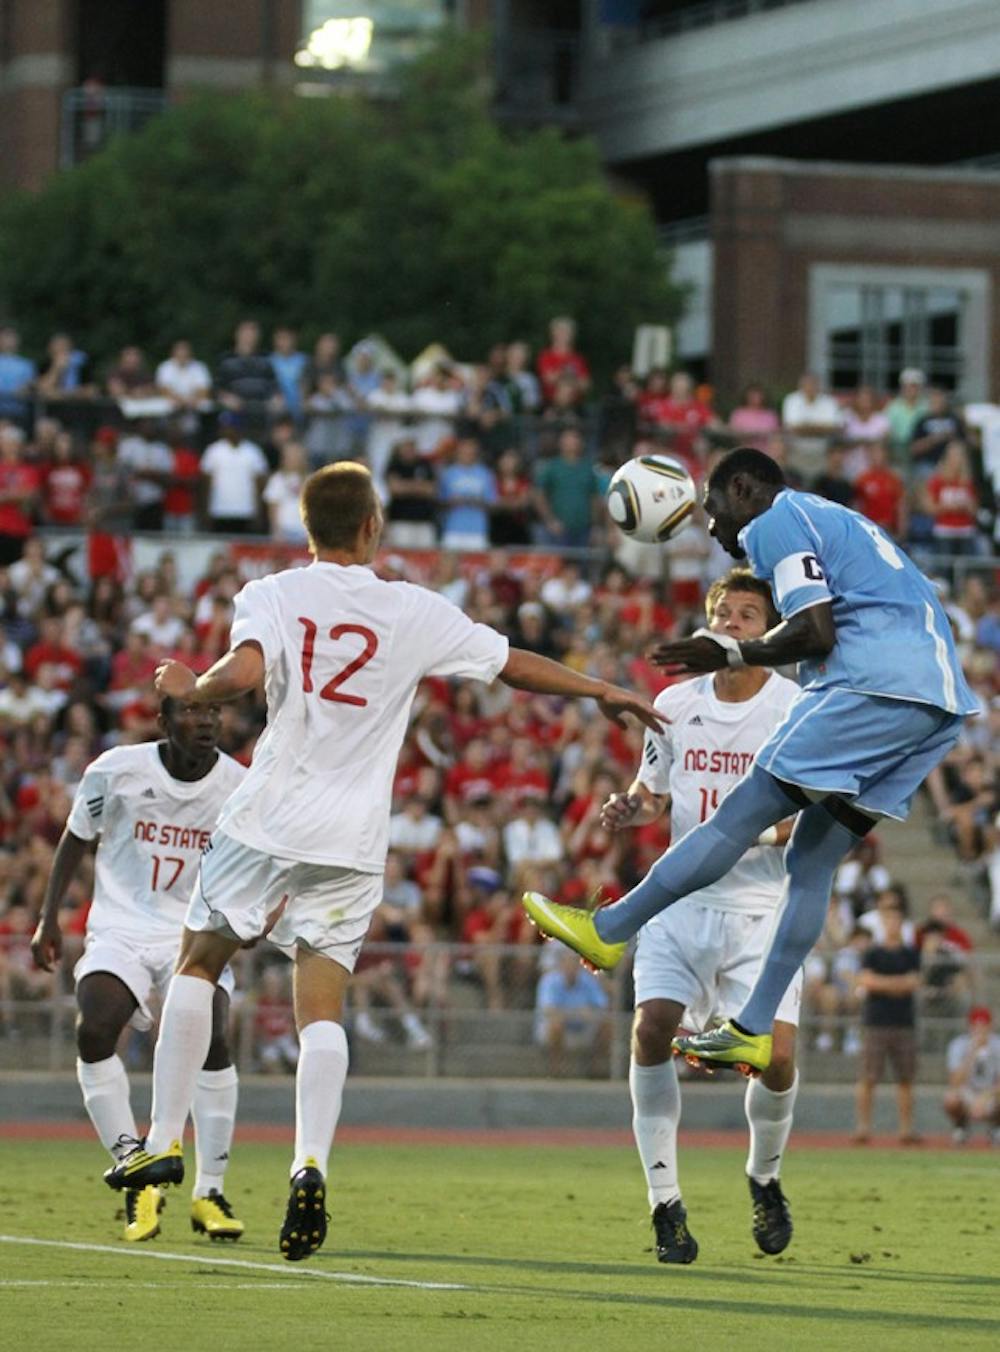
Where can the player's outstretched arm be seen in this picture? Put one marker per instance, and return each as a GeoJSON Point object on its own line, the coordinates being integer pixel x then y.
{"type": "Point", "coordinates": [238, 672]}
{"type": "Point", "coordinates": [809, 634]}
{"type": "Point", "coordinates": [46, 942]}
{"type": "Point", "coordinates": [530, 671]}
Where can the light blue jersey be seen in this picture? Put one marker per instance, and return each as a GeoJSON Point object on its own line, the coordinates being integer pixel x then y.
{"type": "Point", "coordinates": [893, 637]}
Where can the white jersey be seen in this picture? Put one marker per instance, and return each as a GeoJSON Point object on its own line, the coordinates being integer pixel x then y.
{"type": "Point", "coordinates": [343, 654]}
{"type": "Point", "coordinates": [152, 830]}
{"type": "Point", "coordinates": [707, 746]}
{"type": "Point", "coordinates": [984, 1072]}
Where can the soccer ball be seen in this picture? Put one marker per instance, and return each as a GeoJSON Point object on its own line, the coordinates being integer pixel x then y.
{"type": "Point", "coordinates": [651, 498]}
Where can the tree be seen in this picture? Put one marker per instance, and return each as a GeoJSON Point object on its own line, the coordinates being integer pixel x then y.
{"type": "Point", "coordinates": [417, 218]}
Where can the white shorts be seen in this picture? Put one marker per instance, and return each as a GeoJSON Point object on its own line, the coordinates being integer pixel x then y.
{"type": "Point", "coordinates": [145, 969]}
{"type": "Point", "coordinates": [708, 960]}
{"type": "Point", "coordinates": [320, 906]}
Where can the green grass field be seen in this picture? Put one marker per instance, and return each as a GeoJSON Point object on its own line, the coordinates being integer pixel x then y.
{"type": "Point", "coordinates": [532, 1249]}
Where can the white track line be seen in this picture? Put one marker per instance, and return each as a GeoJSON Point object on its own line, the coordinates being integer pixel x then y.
{"type": "Point", "coordinates": [78, 1284]}
{"type": "Point", "coordinates": [209, 1260]}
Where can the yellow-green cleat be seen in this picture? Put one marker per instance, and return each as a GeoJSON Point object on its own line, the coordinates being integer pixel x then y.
{"type": "Point", "coordinates": [726, 1048]}
{"type": "Point", "coordinates": [213, 1216]}
{"type": "Point", "coordinates": [573, 927]}
{"type": "Point", "coordinates": [142, 1213]}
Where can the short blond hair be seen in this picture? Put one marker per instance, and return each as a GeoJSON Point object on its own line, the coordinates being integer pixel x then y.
{"type": "Point", "coordinates": [336, 502]}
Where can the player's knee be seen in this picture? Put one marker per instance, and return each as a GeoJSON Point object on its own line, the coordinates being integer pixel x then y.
{"type": "Point", "coordinates": [218, 1057]}
{"type": "Point", "coordinates": [651, 1037]}
{"type": "Point", "coordinates": [782, 1067]}
{"type": "Point", "coordinates": [96, 1038]}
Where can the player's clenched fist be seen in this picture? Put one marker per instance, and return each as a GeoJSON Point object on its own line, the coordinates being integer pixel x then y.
{"type": "Point", "coordinates": [46, 945]}
{"type": "Point", "coordinates": [619, 811]}
{"type": "Point", "coordinates": [174, 679]}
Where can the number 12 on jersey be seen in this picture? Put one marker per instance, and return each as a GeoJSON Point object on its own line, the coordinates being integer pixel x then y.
{"type": "Point", "coordinates": [331, 691]}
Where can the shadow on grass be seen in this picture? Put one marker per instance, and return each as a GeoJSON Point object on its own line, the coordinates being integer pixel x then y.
{"type": "Point", "coordinates": [711, 1304]}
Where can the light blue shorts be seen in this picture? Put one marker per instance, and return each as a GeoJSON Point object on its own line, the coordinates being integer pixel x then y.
{"type": "Point", "coordinates": [875, 751]}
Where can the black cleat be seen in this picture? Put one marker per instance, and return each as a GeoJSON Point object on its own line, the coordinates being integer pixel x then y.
{"type": "Point", "coordinates": [304, 1229]}
{"type": "Point", "coordinates": [139, 1169]}
{"type": "Point", "coordinates": [674, 1241]}
{"type": "Point", "coordinates": [772, 1219]}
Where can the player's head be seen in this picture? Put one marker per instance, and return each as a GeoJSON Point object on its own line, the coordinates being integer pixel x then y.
{"type": "Point", "coordinates": [742, 485]}
{"type": "Point", "coordinates": [341, 512]}
{"type": "Point", "coordinates": [741, 605]}
{"type": "Point", "coordinates": [192, 730]}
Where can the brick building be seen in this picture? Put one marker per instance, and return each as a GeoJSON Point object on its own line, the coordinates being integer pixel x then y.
{"type": "Point", "coordinates": [854, 271]}
{"type": "Point", "coordinates": [74, 71]}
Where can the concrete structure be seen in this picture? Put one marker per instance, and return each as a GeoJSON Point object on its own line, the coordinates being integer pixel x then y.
{"type": "Point", "coordinates": [687, 98]}
{"type": "Point", "coordinates": [646, 95]}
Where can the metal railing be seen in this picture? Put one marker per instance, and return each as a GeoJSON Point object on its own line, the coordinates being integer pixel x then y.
{"type": "Point", "coordinates": [91, 116]}
{"type": "Point", "coordinates": [710, 13]}
{"type": "Point", "coordinates": [446, 1010]}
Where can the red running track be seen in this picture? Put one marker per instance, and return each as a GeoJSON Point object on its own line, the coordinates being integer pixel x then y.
{"type": "Point", "coordinates": [261, 1133]}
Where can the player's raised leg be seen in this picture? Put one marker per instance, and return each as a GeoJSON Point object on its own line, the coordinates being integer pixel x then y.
{"type": "Point", "coordinates": [770, 1105]}
{"type": "Point", "coordinates": [213, 1112]}
{"type": "Point", "coordinates": [820, 840]}
{"type": "Point", "coordinates": [320, 986]}
{"type": "Point", "coordinates": [701, 858]}
{"type": "Point", "coordinates": [656, 1113]}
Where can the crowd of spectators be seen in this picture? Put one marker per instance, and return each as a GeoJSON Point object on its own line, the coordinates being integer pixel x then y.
{"type": "Point", "coordinates": [512, 450]}
{"type": "Point", "coordinates": [496, 791]}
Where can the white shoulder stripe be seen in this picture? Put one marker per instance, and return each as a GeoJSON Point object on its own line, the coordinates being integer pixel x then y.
{"type": "Point", "coordinates": [806, 518]}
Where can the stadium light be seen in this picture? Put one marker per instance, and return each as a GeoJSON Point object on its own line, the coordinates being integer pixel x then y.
{"type": "Point", "coordinates": [337, 43]}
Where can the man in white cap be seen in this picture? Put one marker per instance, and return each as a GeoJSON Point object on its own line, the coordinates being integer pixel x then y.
{"type": "Point", "coordinates": [908, 407]}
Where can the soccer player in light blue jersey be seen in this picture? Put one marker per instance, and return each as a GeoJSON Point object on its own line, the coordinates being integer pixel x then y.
{"type": "Point", "coordinates": [883, 699]}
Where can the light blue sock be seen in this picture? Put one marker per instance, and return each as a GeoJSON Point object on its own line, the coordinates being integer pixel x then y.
{"type": "Point", "coordinates": [817, 846]}
{"type": "Point", "coordinates": [702, 857]}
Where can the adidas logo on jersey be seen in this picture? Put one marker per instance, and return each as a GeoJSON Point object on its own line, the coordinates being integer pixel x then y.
{"type": "Point", "coordinates": [696, 721]}
{"type": "Point", "coordinates": [149, 793]}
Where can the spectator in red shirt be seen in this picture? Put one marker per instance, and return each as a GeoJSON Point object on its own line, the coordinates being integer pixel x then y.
{"type": "Point", "coordinates": [19, 486]}
{"type": "Point", "coordinates": [65, 483]}
{"type": "Point", "coordinates": [132, 666]}
{"type": "Point", "coordinates": [469, 778]}
{"type": "Point", "coordinates": [682, 414]}
{"type": "Point", "coordinates": [880, 494]}
{"type": "Point", "coordinates": [653, 396]}
{"type": "Point", "coordinates": [939, 910]}
{"type": "Point", "coordinates": [51, 649]}
{"type": "Point", "coordinates": [521, 771]}
{"type": "Point", "coordinates": [950, 497]}
{"type": "Point", "coordinates": [513, 512]}
{"type": "Point", "coordinates": [560, 358]}
{"type": "Point", "coordinates": [179, 504]}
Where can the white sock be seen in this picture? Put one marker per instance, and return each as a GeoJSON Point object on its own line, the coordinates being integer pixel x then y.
{"type": "Point", "coordinates": [213, 1112]}
{"type": "Point", "coordinates": [106, 1098]}
{"type": "Point", "coordinates": [181, 1048]}
{"type": "Point", "coordinates": [656, 1112]}
{"type": "Point", "coordinates": [319, 1089]}
{"type": "Point", "coordinates": [769, 1114]}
